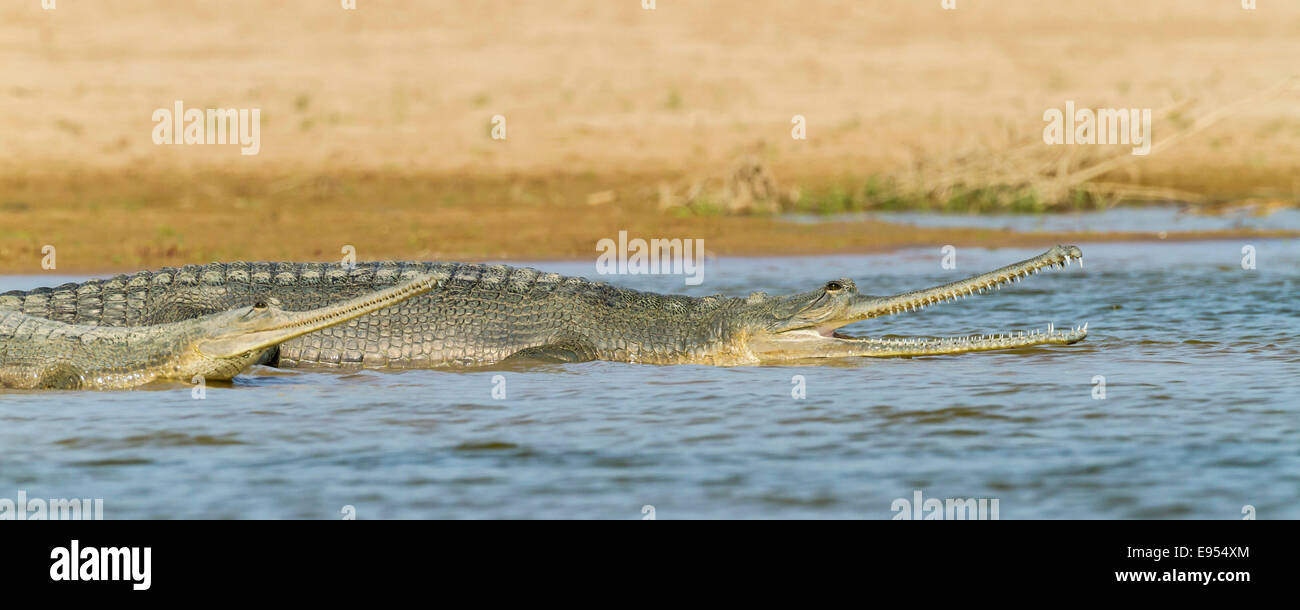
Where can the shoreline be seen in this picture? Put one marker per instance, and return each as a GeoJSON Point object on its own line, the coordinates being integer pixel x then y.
{"type": "Point", "coordinates": [145, 220]}
{"type": "Point", "coordinates": [1024, 240]}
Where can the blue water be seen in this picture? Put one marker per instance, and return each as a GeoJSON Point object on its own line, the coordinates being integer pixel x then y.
{"type": "Point", "coordinates": [1201, 414]}
{"type": "Point", "coordinates": [1152, 219]}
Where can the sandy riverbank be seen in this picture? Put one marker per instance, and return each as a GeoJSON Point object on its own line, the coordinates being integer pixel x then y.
{"type": "Point", "coordinates": [121, 222]}
{"type": "Point", "coordinates": [375, 123]}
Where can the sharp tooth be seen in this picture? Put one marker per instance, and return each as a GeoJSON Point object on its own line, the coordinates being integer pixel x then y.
{"type": "Point", "coordinates": [1050, 328]}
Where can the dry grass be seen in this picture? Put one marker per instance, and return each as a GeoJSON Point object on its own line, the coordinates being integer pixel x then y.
{"type": "Point", "coordinates": [118, 222]}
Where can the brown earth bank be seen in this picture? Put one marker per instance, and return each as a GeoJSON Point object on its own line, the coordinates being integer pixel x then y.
{"type": "Point", "coordinates": [109, 222]}
{"type": "Point", "coordinates": [376, 123]}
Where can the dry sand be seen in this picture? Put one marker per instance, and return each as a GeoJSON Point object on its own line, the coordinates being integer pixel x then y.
{"type": "Point", "coordinates": [375, 122]}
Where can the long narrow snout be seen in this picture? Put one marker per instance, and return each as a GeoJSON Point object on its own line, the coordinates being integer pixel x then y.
{"type": "Point", "coordinates": [282, 326]}
{"type": "Point", "coordinates": [820, 340]}
{"type": "Point", "coordinates": [866, 306]}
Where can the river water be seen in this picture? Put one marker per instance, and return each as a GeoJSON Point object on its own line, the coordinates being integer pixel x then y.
{"type": "Point", "coordinates": [1200, 416]}
{"type": "Point", "coordinates": [1153, 218]}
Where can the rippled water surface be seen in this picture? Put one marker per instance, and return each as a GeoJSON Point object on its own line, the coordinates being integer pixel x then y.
{"type": "Point", "coordinates": [1154, 218]}
{"type": "Point", "coordinates": [1201, 414]}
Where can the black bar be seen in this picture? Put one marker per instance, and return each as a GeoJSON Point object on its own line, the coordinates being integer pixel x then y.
{"type": "Point", "coordinates": [227, 557]}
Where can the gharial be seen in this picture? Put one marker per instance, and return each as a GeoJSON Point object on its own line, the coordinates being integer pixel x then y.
{"type": "Point", "coordinates": [479, 314]}
{"type": "Point", "coordinates": [37, 353]}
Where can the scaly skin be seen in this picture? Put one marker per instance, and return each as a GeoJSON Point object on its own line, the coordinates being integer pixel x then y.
{"type": "Point", "coordinates": [36, 353]}
{"type": "Point", "coordinates": [480, 315]}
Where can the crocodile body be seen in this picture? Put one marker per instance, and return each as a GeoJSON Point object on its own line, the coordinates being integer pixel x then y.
{"type": "Point", "coordinates": [39, 353]}
{"type": "Point", "coordinates": [483, 314]}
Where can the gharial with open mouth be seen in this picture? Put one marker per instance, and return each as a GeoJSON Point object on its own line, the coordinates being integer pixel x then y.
{"type": "Point", "coordinates": [477, 315]}
{"type": "Point", "coordinates": [806, 325]}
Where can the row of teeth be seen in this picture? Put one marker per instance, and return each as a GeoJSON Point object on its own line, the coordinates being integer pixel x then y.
{"type": "Point", "coordinates": [392, 294]}
{"type": "Point", "coordinates": [996, 284]}
{"type": "Point", "coordinates": [1020, 337]}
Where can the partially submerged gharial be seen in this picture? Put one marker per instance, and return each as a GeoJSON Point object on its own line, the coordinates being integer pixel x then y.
{"type": "Point", "coordinates": [36, 353]}
{"type": "Point", "coordinates": [480, 315]}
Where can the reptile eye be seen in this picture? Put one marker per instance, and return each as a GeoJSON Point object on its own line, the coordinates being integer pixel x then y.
{"type": "Point", "coordinates": [833, 286]}
{"type": "Point", "coordinates": [259, 305]}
